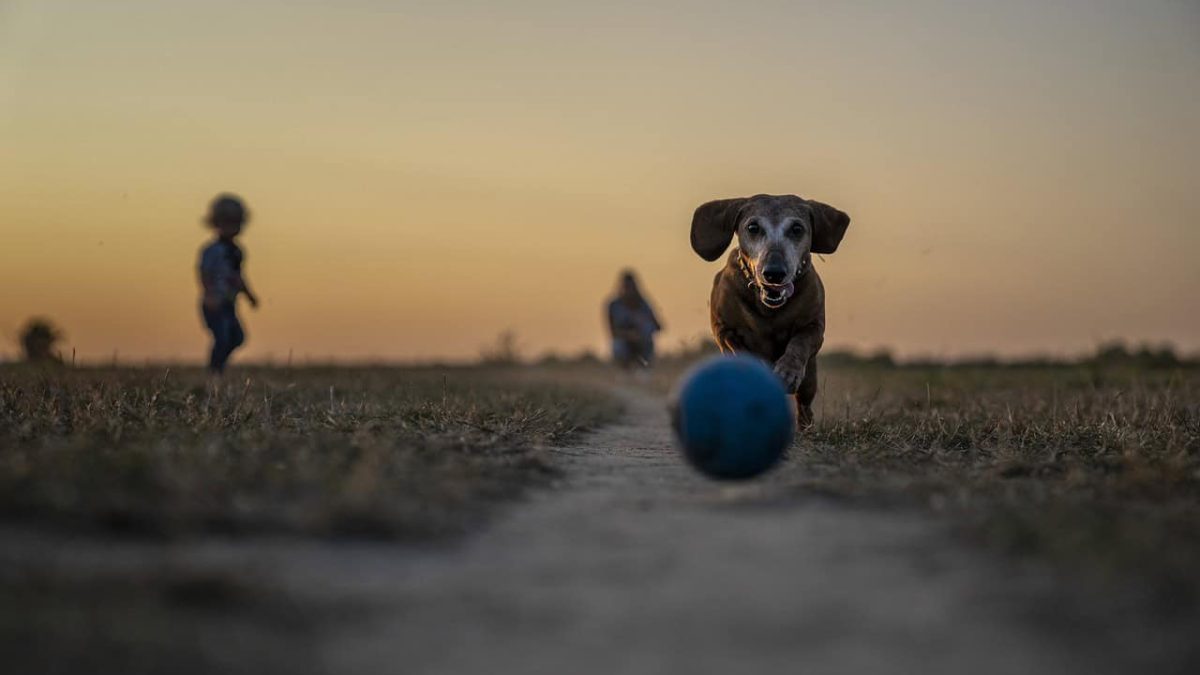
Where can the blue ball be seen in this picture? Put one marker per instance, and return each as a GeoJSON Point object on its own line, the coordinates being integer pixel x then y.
{"type": "Point", "coordinates": [733, 417]}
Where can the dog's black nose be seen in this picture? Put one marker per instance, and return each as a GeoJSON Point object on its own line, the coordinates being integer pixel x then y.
{"type": "Point", "coordinates": [774, 275]}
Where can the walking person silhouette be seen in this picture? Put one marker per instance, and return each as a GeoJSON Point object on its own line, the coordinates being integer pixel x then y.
{"type": "Point", "coordinates": [222, 280]}
{"type": "Point", "coordinates": [631, 324]}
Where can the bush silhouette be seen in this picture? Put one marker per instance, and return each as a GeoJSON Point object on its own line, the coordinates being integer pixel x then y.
{"type": "Point", "coordinates": [504, 352]}
{"type": "Point", "coordinates": [38, 340]}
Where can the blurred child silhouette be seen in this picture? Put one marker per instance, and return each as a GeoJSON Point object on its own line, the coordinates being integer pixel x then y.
{"type": "Point", "coordinates": [632, 324]}
{"type": "Point", "coordinates": [222, 280]}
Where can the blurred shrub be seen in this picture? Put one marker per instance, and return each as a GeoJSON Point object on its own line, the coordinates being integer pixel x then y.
{"type": "Point", "coordinates": [38, 340]}
{"type": "Point", "coordinates": [505, 351]}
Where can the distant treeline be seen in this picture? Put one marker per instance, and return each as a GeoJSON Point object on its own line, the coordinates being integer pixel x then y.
{"type": "Point", "coordinates": [1114, 354]}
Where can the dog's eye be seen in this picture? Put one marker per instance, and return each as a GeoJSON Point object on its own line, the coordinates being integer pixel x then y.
{"type": "Point", "coordinates": [796, 230]}
{"type": "Point", "coordinates": [754, 228]}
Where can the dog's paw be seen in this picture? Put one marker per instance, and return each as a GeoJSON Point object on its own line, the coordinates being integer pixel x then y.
{"type": "Point", "coordinates": [791, 373]}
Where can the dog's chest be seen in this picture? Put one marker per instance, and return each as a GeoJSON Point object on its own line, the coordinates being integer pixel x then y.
{"type": "Point", "coordinates": [767, 341]}
{"type": "Point", "coordinates": [764, 335]}
{"type": "Point", "coordinates": [762, 331]}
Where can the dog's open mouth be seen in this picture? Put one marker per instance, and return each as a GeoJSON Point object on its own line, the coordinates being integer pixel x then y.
{"type": "Point", "coordinates": [775, 296]}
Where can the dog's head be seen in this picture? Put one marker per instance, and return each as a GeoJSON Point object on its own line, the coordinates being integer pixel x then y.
{"type": "Point", "coordinates": [776, 236]}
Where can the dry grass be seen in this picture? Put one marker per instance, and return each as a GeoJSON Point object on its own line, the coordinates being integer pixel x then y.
{"type": "Point", "coordinates": [382, 452]}
{"type": "Point", "coordinates": [1097, 471]}
{"type": "Point", "coordinates": [153, 454]}
{"type": "Point", "coordinates": [1093, 468]}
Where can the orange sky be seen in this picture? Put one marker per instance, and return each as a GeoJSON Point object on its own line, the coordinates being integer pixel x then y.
{"type": "Point", "coordinates": [1022, 176]}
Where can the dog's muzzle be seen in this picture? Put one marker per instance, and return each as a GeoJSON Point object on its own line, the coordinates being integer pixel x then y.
{"type": "Point", "coordinates": [772, 296]}
{"type": "Point", "coordinates": [775, 296]}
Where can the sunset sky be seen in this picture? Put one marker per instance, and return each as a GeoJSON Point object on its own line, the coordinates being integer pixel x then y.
{"type": "Point", "coordinates": [1022, 176]}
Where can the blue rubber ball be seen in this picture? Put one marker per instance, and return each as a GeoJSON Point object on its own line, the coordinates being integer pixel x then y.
{"type": "Point", "coordinates": [733, 417]}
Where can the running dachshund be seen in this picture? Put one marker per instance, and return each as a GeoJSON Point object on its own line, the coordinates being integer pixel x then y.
{"type": "Point", "coordinates": [768, 300]}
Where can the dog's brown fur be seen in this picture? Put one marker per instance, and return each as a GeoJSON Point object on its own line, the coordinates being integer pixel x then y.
{"type": "Point", "coordinates": [788, 337]}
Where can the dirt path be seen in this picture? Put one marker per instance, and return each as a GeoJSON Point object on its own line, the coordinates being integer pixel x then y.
{"type": "Point", "coordinates": [637, 565]}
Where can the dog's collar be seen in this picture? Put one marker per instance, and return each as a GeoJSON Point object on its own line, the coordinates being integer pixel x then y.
{"type": "Point", "coordinates": [744, 267]}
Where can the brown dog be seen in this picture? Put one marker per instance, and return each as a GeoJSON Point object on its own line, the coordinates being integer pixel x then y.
{"type": "Point", "coordinates": [768, 299]}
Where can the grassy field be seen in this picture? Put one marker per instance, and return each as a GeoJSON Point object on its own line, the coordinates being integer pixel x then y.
{"type": "Point", "coordinates": [1099, 466]}
{"type": "Point", "coordinates": [377, 452]}
{"type": "Point", "coordinates": [1095, 470]}
{"type": "Point", "coordinates": [156, 458]}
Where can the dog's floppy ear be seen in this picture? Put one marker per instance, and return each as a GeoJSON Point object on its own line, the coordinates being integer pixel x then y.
{"type": "Point", "coordinates": [713, 226]}
{"type": "Point", "coordinates": [829, 226]}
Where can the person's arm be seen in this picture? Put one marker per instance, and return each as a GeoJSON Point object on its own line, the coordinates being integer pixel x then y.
{"type": "Point", "coordinates": [655, 325]}
{"type": "Point", "coordinates": [245, 288]}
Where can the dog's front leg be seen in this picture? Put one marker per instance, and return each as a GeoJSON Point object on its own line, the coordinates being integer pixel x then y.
{"type": "Point", "coordinates": [793, 366]}
{"type": "Point", "coordinates": [728, 341]}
